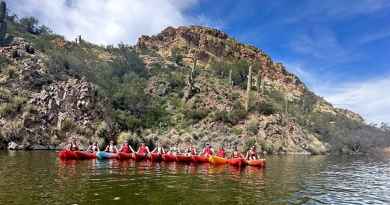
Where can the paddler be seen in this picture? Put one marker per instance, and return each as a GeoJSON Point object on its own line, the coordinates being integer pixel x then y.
{"type": "Point", "coordinates": [158, 149]}
{"type": "Point", "coordinates": [126, 148]}
{"type": "Point", "coordinates": [143, 149]}
{"type": "Point", "coordinates": [221, 152]}
{"type": "Point", "coordinates": [252, 153]}
{"type": "Point", "coordinates": [73, 145]}
{"type": "Point", "coordinates": [208, 150]}
{"type": "Point", "coordinates": [111, 147]}
{"type": "Point", "coordinates": [236, 153]}
{"type": "Point", "coordinates": [93, 147]}
{"type": "Point", "coordinates": [174, 150]}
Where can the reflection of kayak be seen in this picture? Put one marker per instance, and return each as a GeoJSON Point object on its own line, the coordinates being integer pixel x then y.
{"type": "Point", "coordinates": [168, 157]}
{"type": "Point", "coordinates": [155, 157]}
{"type": "Point", "coordinates": [256, 163]}
{"type": "Point", "coordinates": [125, 156]}
{"type": "Point", "coordinates": [217, 160]}
{"type": "Point", "coordinates": [85, 155]}
{"type": "Point", "coordinates": [238, 162]}
{"type": "Point", "coordinates": [183, 158]}
{"type": "Point", "coordinates": [200, 159]}
{"type": "Point", "coordinates": [67, 155]}
{"type": "Point", "coordinates": [106, 155]}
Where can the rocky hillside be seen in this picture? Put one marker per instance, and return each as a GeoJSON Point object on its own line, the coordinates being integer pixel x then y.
{"type": "Point", "coordinates": [184, 85]}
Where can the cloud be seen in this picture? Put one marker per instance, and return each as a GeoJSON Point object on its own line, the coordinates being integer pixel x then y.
{"type": "Point", "coordinates": [369, 98]}
{"type": "Point", "coordinates": [106, 21]}
{"type": "Point", "coordinates": [320, 43]}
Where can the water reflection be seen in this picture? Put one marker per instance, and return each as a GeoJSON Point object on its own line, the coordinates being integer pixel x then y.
{"type": "Point", "coordinates": [40, 178]}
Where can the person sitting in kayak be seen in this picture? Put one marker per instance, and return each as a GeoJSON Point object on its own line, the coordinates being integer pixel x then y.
{"type": "Point", "coordinates": [236, 153]}
{"type": "Point", "coordinates": [193, 150]}
{"type": "Point", "coordinates": [189, 151]}
{"type": "Point", "coordinates": [221, 152]}
{"type": "Point", "coordinates": [208, 150]}
{"type": "Point", "coordinates": [73, 145]}
{"type": "Point", "coordinates": [251, 154]}
{"type": "Point", "coordinates": [93, 147]}
{"type": "Point", "coordinates": [158, 149]}
{"type": "Point", "coordinates": [126, 148]}
{"type": "Point", "coordinates": [174, 150]}
{"type": "Point", "coordinates": [111, 147]}
{"type": "Point", "coordinates": [143, 149]}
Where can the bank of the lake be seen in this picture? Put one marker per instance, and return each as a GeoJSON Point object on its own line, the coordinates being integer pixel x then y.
{"type": "Point", "coordinates": [40, 178]}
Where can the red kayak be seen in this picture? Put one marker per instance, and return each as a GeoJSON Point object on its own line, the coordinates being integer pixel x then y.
{"type": "Point", "coordinates": [85, 155]}
{"type": "Point", "coordinates": [67, 155]}
{"type": "Point", "coordinates": [155, 157]}
{"type": "Point", "coordinates": [183, 158]}
{"type": "Point", "coordinates": [256, 163]}
{"type": "Point", "coordinates": [238, 162]}
{"type": "Point", "coordinates": [200, 159]}
{"type": "Point", "coordinates": [125, 156]}
{"type": "Point", "coordinates": [168, 157]}
{"type": "Point", "coordinates": [139, 157]}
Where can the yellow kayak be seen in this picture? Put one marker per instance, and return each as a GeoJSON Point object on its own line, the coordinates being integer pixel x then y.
{"type": "Point", "coordinates": [217, 160]}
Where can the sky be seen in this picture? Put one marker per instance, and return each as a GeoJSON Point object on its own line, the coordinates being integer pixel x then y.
{"type": "Point", "coordinates": [338, 48]}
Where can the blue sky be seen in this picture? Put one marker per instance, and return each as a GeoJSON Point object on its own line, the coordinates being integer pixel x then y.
{"type": "Point", "coordinates": [340, 49]}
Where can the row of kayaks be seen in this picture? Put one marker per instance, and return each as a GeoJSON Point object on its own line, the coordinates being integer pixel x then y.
{"type": "Point", "coordinates": [215, 160]}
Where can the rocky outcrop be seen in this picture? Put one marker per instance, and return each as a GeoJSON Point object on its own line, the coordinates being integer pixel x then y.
{"type": "Point", "coordinates": [207, 45]}
{"type": "Point", "coordinates": [48, 110]}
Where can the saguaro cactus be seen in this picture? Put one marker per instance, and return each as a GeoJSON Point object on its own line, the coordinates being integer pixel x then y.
{"type": "Point", "coordinates": [248, 88]}
{"type": "Point", "coordinates": [3, 24]}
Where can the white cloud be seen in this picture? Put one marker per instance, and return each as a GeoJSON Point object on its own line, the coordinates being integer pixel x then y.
{"type": "Point", "coordinates": [370, 98]}
{"type": "Point", "coordinates": [105, 21]}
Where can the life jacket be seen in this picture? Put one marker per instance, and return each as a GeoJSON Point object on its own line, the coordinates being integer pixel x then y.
{"type": "Point", "coordinates": [73, 147]}
{"type": "Point", "coordinates": [125, 148]}
{"type": "Point", "coordinates": [252, 153]}
{"type": "Point", "coordinates": [207, 151]}
{"type": "Point", "coordinates": [112, 149]}
{"type": "Point", "coordinates": [193, 151]}
{"type": "Point", "coordinates": [143, 150]}
{"type": "Point", "coordinates": [236, 154]}
{"type": "Point", "coordinates": [221, 153]}
{"type": "Point", "coordinates": [159, 150]}
{"type": "Point", "coordinates": [95, 148]}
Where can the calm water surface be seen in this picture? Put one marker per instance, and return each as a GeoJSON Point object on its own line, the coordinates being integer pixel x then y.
{"type": "Point", "coordinates": [41, 178]}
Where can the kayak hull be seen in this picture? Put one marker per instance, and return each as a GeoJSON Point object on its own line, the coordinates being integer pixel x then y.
{"type": "Point", "coordinates": [139, 157]}
{"type": "Point", "coordinates": [183, 158]}
{"type": "Point", "coordinates": [125, 156]}
{"type": "Point", "coordinates": [85, 155]}
{"type": "Point", "coordinates": [256, 163]}
{"type": "Point", "coordinates": [168, 157]}
{"type": "Point", "coordinates": [106, 155]}
{"type": "Point", "coordinates": [217, 160]}
{"type": "Point", "coordinates": [155, 157]}
{"type": "Point", "coordinates": [200, 159]}
{"type": "Point", "coordinates": [238, 162]}
{"type": "Point", "coordinates": [67, 155]}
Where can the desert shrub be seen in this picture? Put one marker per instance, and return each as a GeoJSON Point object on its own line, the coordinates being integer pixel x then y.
{"type": "Point", "coordinates": [196, 114]}
{"type": "Point", "coordinates": [68, 124]}
{"type": "Point", "coordinates": [249, 143]}
{"type": "Point", "coordinates": [265, 108]}
{"type": "Point", "coordinates": [252, 127]}
{"type": "Point", "coordinates": [232, 117]}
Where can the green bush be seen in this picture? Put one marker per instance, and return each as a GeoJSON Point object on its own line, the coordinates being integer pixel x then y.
{"type": "Point", "coordinates": [265, 108]}
{"type": "Point", "coordinates": [195, 114]}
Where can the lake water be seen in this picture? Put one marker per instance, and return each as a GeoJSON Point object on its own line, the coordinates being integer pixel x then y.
{"type": "Point", "coordinates": [41, 178]}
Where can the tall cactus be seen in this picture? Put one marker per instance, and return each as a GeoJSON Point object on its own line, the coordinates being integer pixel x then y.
{"type": "Point", "coordinates": [248, 89]}
{"type": "Point", "coordinates": [3, 23]}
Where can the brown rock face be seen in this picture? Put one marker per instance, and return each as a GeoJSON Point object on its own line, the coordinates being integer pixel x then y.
{"type": "Point", "coordinates": [207, 45]}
